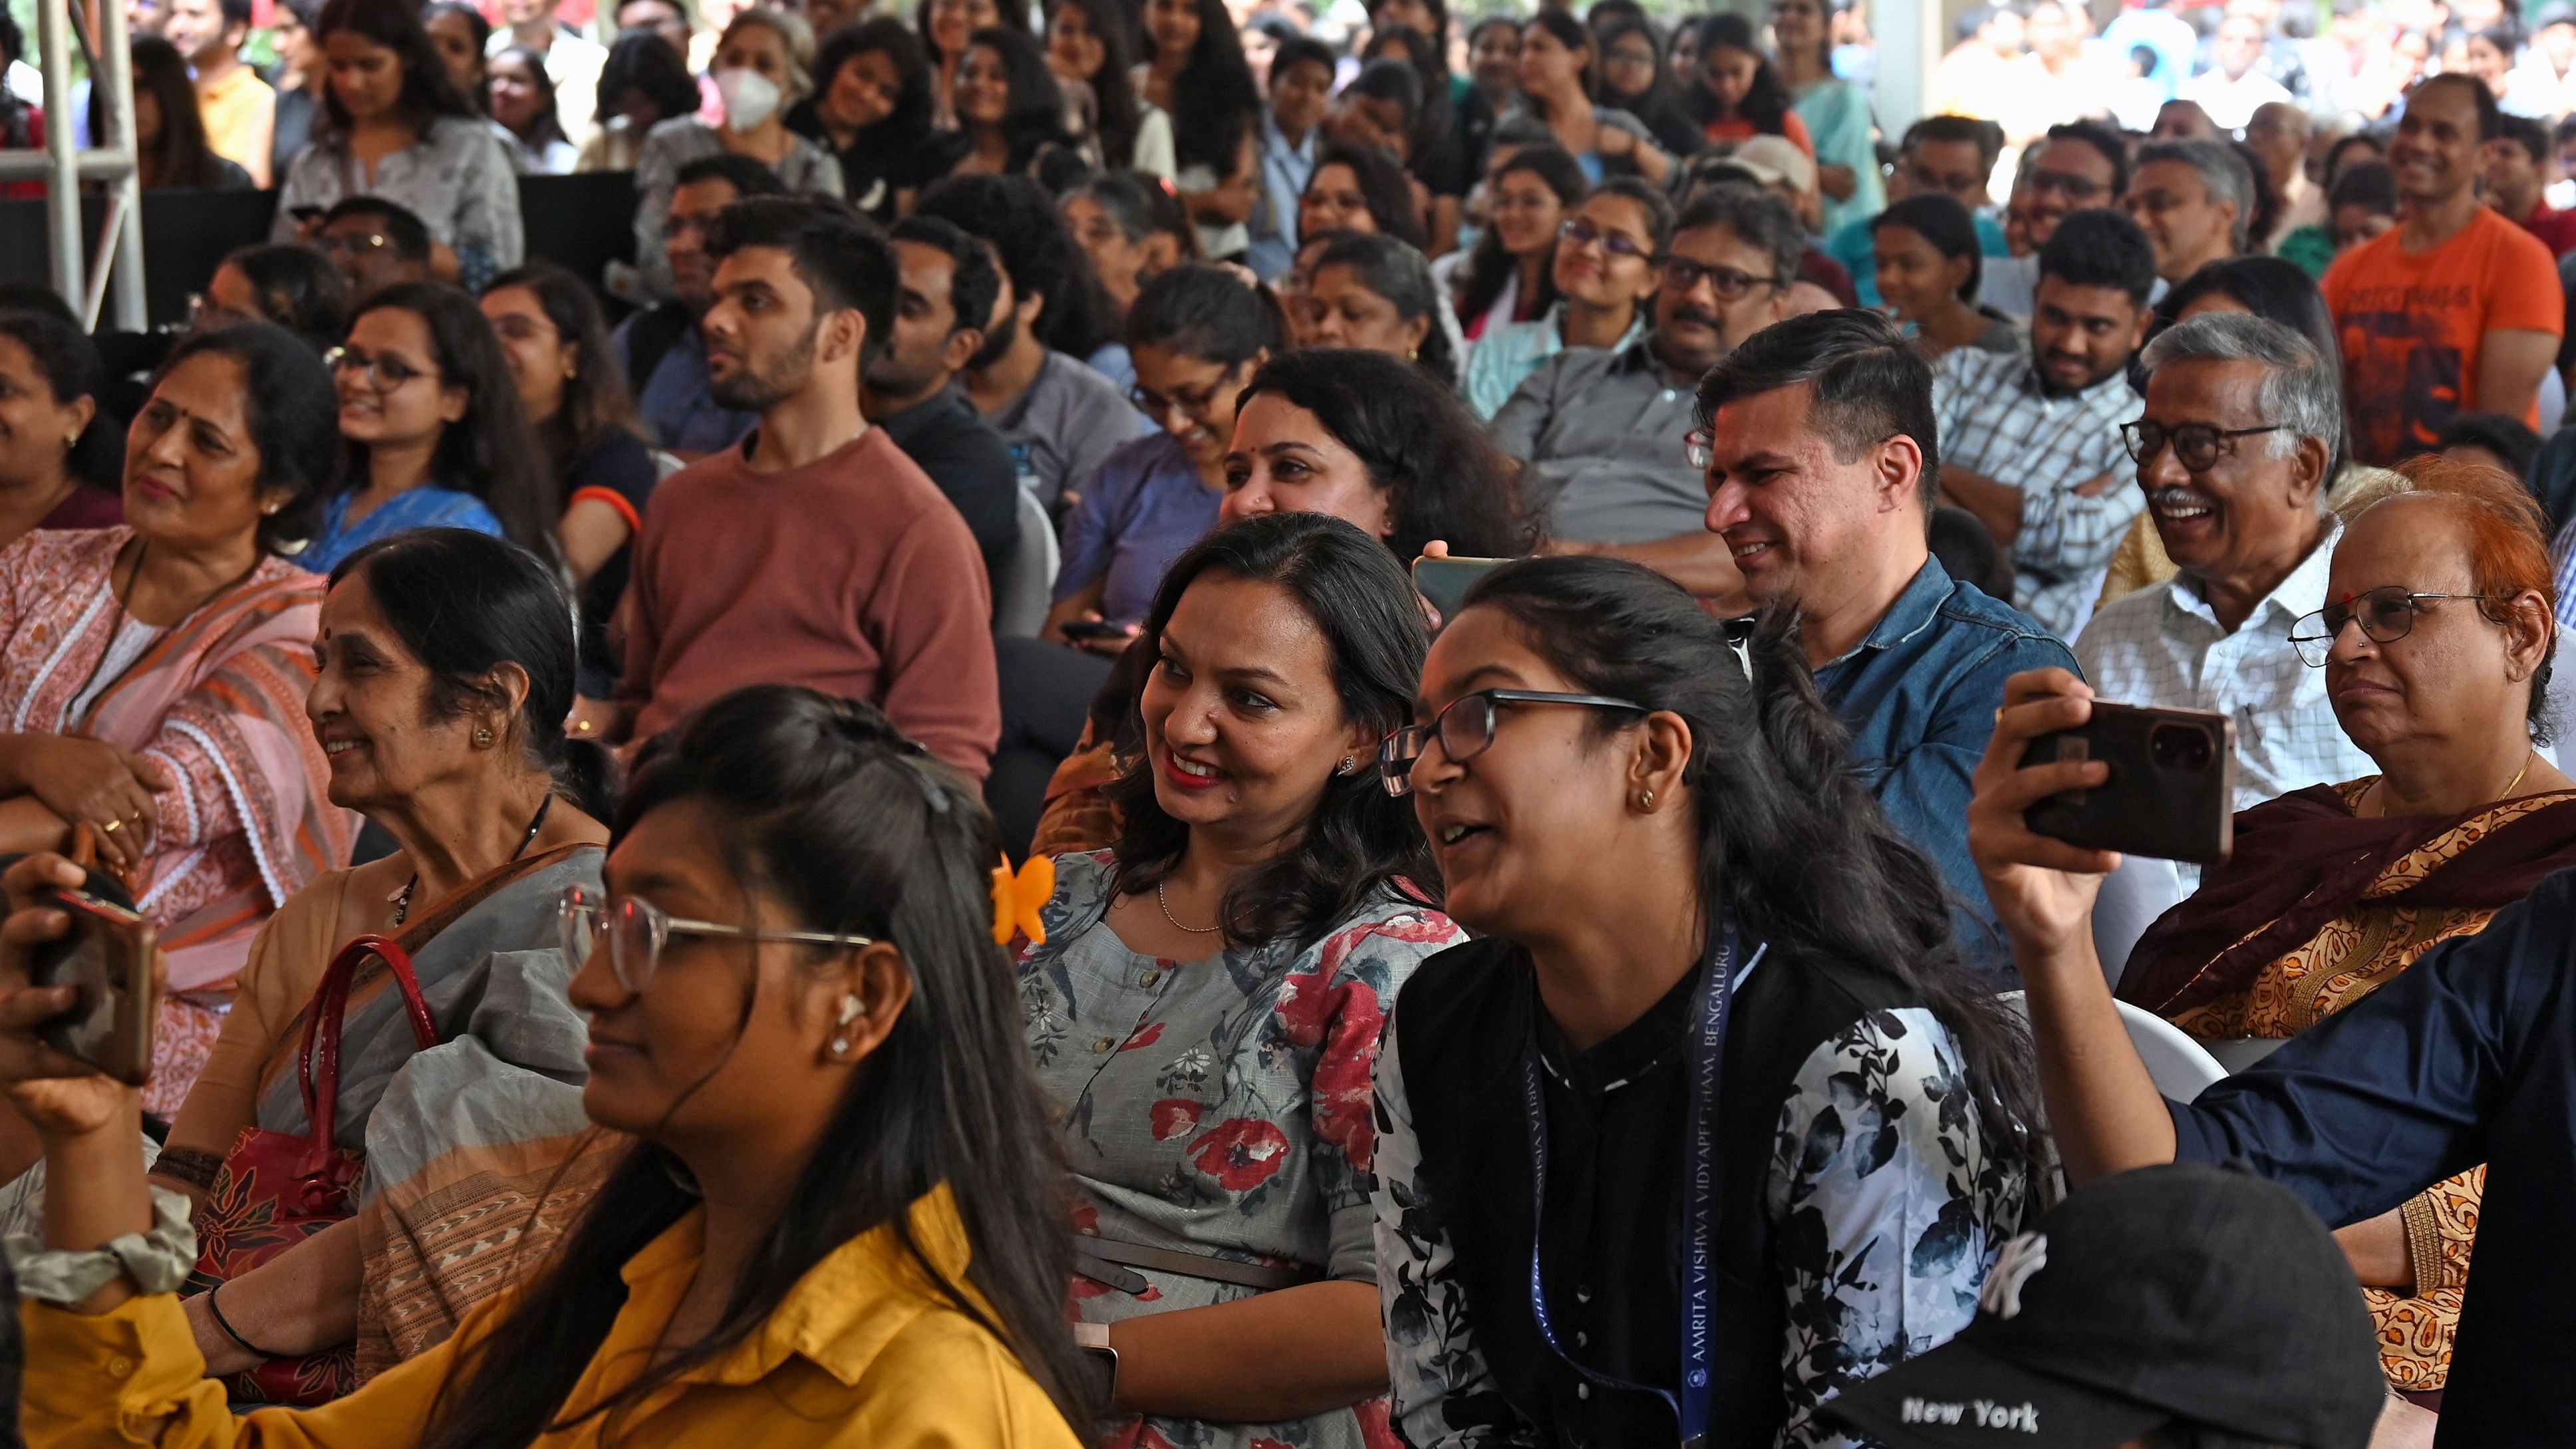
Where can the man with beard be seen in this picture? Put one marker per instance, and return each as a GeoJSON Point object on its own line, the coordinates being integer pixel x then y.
{"type": "Point", "coordinates": [664, 355]}
{"type": "Point", "coordinates": [2082, 165]}
{"type": "Point", "coordinates": [1601, 432]}
{"type": "Point", "coordinates": [944, 277]}
{"type": "Point", "coordinates": [2031, 443]}
{"type": "Point", "coordinates": [813, 552]}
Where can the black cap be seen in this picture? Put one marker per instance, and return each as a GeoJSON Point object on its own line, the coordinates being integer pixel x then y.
{"type": "Point", "coordinates": [2183, 1292]}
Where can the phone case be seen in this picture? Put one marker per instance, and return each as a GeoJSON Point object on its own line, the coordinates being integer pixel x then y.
{"type": "Point", "coordinates": [1446, 581]}
{"type": "Point", "coordinates": [107, 955]}
{"type": "Point", "coordinates": [2172, 790]}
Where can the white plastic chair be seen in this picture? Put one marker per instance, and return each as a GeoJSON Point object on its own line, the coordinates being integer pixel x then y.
{"type": "Point", "coordinates": [1020, 599]}
{"type": "Point", "coordinates": [2180, 1067]}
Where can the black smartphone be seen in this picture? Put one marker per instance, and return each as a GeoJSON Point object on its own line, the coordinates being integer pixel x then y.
{"type": "Point", "coordinates": [1445, 581]}
{"type": "Point", "coordinates": [107, 956]}
{"type": "Point", "coordinates": [1079, 630]}
{"type": "Point", "coordinates": [2172, 789]}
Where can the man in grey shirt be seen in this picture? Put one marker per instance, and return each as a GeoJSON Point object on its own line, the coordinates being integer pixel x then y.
{"type": "Point", "coordinates": [1602, 434]}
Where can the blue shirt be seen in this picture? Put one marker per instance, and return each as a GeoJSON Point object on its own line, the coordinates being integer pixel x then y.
{"type": "Point", "coordinates": [2467, 1056]}
{"type": "Point", "coordinates": [1143, 508]}
{"type": "Point", "coordinates": [677, 403]}
{"type": "Point", "coordinates": [1919, 695]}
{"type": "Point", "coordinates": [1285, 170]}
{"type": "Point", "coordinates": [1850, 245]}
{"type": "Point", "coordinates": [422, 507]}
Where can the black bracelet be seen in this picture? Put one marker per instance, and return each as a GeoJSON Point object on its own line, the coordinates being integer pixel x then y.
{"type": "Point", "coordinates": [233, 1333]}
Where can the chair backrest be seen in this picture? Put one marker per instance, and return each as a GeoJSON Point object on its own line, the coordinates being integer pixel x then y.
{"type": "Point", "coordinates": [2180, 1067]}
{"type": "Point", "coordinates": [1020, 599]}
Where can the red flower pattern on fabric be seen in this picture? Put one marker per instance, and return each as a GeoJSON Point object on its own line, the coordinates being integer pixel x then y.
{"type": "Point", "coordinates": [1176, 1117]}
{"type": "Point", "coordinates": [1144, 1037]}
{"type": "Point", "coordinates": [1241, 1154]}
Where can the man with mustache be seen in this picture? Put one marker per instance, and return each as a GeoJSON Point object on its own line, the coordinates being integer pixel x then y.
{"type": "Point", "coordinates": [1601, 431]}
{"type": "Point", "coordinates": [2031, 442]}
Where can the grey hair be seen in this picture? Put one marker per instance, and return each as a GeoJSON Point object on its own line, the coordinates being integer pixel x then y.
{"type": "Point", "coordinates": [2221, 169]}
{"type": "Point", "coordinates": [2299, 390]}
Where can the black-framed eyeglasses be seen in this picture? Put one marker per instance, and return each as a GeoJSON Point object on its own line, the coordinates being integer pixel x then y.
{"type": "Point", "coordinates": [1618, 244]}
{"type": "Point", "coordinates": [2196, 445]}
{"type": "Point", "coordinates": [1465, 728]}
{"type": "Point", "coordinates": [2067, 184]}
{"type": "Point", "coordinates": [2386, 614]}
{"type": "Point", "coordinates": [1193, 403]}
{"type": "Point", "coordinates": [635, 930]}
{"type": "Point", "coordinates": [383, 373]}
{"type": "Point", "coordinates": [1681, 274]}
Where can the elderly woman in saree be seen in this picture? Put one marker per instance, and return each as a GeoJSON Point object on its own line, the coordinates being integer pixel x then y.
{"type": "Point", "coordinates": [2436, 642]}
{"type": "Point", "coordinates": [446, 674]}
{"type": "Point", "coordinates": [153, 675]}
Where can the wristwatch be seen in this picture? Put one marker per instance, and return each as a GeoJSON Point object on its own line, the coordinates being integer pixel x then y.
{"type": "Point", "coordinates": [1093, 1340]}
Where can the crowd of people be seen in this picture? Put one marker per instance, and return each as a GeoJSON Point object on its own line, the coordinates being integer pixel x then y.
{"type": "Point", "coordinates": [1150, 963]}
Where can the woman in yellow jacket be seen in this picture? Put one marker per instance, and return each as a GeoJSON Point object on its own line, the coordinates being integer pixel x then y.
{"type": "Point", "coordinates": [840, 1223]}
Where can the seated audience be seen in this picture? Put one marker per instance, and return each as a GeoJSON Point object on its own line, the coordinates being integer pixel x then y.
{"type": "Point", "coordinates": [1010, 111]}
{"type": "Point", "coordinates": [760, 70]}
{"type": "Point", "coordinates": [1510, 275]}
{"type": "Point", "coordinates": [237, 109]}
{"type": "Point", "coordinates": [62, 463]}
{"type": "Point", "coordinates": [1193, 68]}
{"type": "Point", "coordinates": [1952, 155]}
{"type": "Point", "coordinates": [376, 243]}
{"type": "Point", "coordinates": [1049, 288]}
{"type": "Point", "coordinates": [154, 673]}
{"type": "Point", "coordinates": [923, 1268]}
{"type": "Point", "coordinates": [2234, 450]}
{"type": "Point", "coordinates": [424, 147]}
{"type": "Point", "coordinates": [1358, 188]}
{"type": "Point", "coordinates": [2360, 205]}
{"type": "Point", "coordinates": [1557, 63]}
{"type": "Point", "coordinates": [844, 568]}
{"type": "Point", "coordinates": [2498, 441]}
{"type": "Point", "coordinates": [1639, 856]}
{"type": "Point", "coordinates": [2279, 136]}
{"type": "Point", "coordinates": [1198, 334]}
{"type": "Point", "coordinates": [296, 287]}
{"type": "Point", "coordinates": [1133, 228]}
{"type": "Point", "coordinates": [522, 102]}
{"type": "Point", "coordinates": [569, 59]}
{"type": "Point", "coordinates": [1092, 46]}
{"type": "Point", "coordinates": [870, 108]}
{"type": "Point", "coordinates": [170, 144]}
{"type": "Point", "coordinates": [2030, 441]}
{"type": "Point", "coordinates": [641, 85]}
{"type": "Point", "coordinates": [663, 352]}
{"type": "Point", "coordinates": [945, 285]}
{"type": "Point", "coordinates": [298, 78]}
{"type": "Point", "coordinates": [2336, 888]}
{"type": "Point", "coordinates": [2195, 202]}
{"type": "Point", "coordinates": [432, 431]}
{"type": "Point", "coordinates": [1605, 271]}
{"type": "Point", "coordinates": [1929, 263]}
{"type": "Point", "coordinates": [1375, 293]}
{"type": "Point", "coordinates": [2076, 167]}
{"type": "Point", "coordinates": [1821, 517]}
{"type": "Point", "coordinates": [599, 474]}
{"type": "Point", "coordinates": [1291, 141]}
{"type": "Point", "coordinates": [2517, 172]}
{"type": "Point", "coordinates": [1633, 79]}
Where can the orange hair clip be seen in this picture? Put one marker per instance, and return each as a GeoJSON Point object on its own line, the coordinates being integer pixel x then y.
{"type": "Point", "coordinates": [1018, 899]}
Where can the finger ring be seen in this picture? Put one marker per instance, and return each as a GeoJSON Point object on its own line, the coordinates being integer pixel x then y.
{"type": "Point", "coordinates": [110, 827]}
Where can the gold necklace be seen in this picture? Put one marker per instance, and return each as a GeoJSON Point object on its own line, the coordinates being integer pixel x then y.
{"type": "Point", "coordinates": [1175, 920]}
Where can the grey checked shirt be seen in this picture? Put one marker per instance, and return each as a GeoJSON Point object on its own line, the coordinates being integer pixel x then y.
{"type": "Point", "coordinates": [1996, 420]}
{"type": "Point", "coordinates": [1601, 433]}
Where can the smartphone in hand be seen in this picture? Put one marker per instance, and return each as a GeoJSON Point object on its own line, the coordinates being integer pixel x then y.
{"type": "Point", "coordinates": [107, 956]}
{"type": "Point", "coordinates": [1445, 581]}
{"type": "Point", "coordinates": [2172, 789]}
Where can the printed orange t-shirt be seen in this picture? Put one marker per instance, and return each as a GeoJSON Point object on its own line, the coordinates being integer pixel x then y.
{"type": "Point", "coordinates": [2411, 326]}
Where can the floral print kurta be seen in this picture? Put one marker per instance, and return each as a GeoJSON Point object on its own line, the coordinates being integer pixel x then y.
{"type": "Point", "coordinates": [1220, 1107]}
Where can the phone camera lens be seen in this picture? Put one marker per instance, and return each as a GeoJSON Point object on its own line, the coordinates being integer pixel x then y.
{"type": "Point", "coordinates": [2181, 747]}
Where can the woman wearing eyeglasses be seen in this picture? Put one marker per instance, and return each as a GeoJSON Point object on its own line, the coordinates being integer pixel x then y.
{"type": "Point", "coordinates": [1602, 263]}
{"type": "Point", "coordinates": [826, 1212]}
{"type": "Point", "coordinates": [1208, 997]}
{"type": "Point", "coordinates": [1711, 1122]}
{"type": "Point", "coordinates": [433, 433]}
{"type": "Point", "coordinates": [2436, 655]}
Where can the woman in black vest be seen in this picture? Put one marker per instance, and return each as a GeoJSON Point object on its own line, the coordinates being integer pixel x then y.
{"type": "Point", "coordinates": [1844, 1139]}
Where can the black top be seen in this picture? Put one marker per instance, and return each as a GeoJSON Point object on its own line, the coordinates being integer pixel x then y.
{"type": "Point", "coordinates": [972, 465]}
{"type": "Point", "coordinates": [618, 471]}
{"type": "Point", "coordinates": [876, 168]}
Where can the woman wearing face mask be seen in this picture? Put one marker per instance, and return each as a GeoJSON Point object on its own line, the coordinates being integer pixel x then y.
{"type": "Point", "coordinates": [1194, 69]}
{"type": "Point", "coordinates": [1604, 266]}
{"type": "Point", "coordinates": [840, 1219]}
{"type": "Point", "coordinates": [1009, 108]}
{"type": "Point", "coordinates": [1133, 227]}
{"type": "Point", "coordinates": [522, 105]}
{"type": "Point", "coordinates": [1196, 333]}
{"type": "Point", "coordinates": [62, 463]}
{"type": "Point", "coordinates": [1557, 56]}
{"type": "Point", "coordinates": [432, 433]}
{"type": "Point", "coordinates": [946, 28]}
{"type": "Point", "coordinates": [1834, 111]}
{"type": "Point", "coordinates": [393, 125]}
{"type": "Point", "coordinates": [641, 85]}
{"type": "Point", "coordinates": [1510, 276]}
{"type": "Point", "coordinates": [1658, 1053]}
{"type": "Point", "coordinates": [1929, 262]}
{"type": "Point", "coordinates": [1091, 45]}
{"type": "Point", "coordinates": [1376, 293]}
{"type": "Point", "coordinates": [760, 70]}
{"type": "Point", "coordinates": [1207, 1000]}
{"type": "Point", "coordinates": [871, 108]}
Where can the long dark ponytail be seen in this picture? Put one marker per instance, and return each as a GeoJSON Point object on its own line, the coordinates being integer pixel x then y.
{"type": "Point", "coordinates": [829, 809]}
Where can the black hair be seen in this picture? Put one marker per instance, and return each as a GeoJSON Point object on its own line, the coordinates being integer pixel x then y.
{"type": "Point", "coordinates": [2508, 438]}
{"type": "Point", "coordinates": [1362, 845]}
{"type": "Point", "coordinates": [403, 228]}
{"type": "Point", "coordinates": [1944, 225]}
{"type": "Point", "coordinates": [1395, 270]}
{"type": "Point", "coordinates": [1013, 13]}
{"type": "Point", "coordinates": [2110, 144]}
{"type": "Point", "coordinates": [1214, 102]}
{"type": "Point", "coordinates": [2105, 249]}
{"type": "Point", "coordinates": [427, 94]}
{"type": "Point", "coordinates": [1476, 31]}
{"type": "Point", "coordinates": [748, 177]}
{"type": "Point", "coordinates": [821, 804]}
{"type": "Point", "coordinates": [293, 413]}
{"type": "Point", "coordinates": [1569, 32]}
{"type": "Point", "coordinates": [1299, 50]}
{"type": "Point", "coordinates": [2276, 291]}
{"type": "Point", "coordinates": [2369, 184]}
{"type": "Point", "coordinates": [1033, 122]}
{"type": "Point", "coordinates": [2334, 153]}
{"type": "Point", "coordinates": [36, 297]}
{"type": "Point", "coordinates": [1209, 313]}
{"type": "Point", "coordinates": [1113, 95]}
{"type": "Point", "coordinates": [595, 400]}
{"type": "Point", "coordinates": [2261, 218]}
{"type": "Point", "coordinates": [478, 33]}
{"type": "Point", "coordinates": [549, 123]}
{"type": "Point", "coordinates": [974, 282]}
{"type": "Point", "coordinates": [1766, 103]}
{"type": "Point", "coordinates": [2490, 114]}
{"type": "Point", "coordinates": [1758, 216]}
{"type": "Point", "coordinates": [1650, 199]}
{"type": "Point", "coordinates": [1390, 79]}
{"type": "Point", "coordinates": [909, 123]}
{"type": "Point", "coordinates": [179, 157]}
{"type": "Point", "coordinates": [299, 289]}
{"type": "Point", "coordinates": [464, 603]}
{"type": "Point", "coordinates": [840, 255]}
{"type": "Point", "coordinates": [1142, 204]}
{"type": "Point", "coordinates": [1383, 184]}
{"type": "Point", "coordinates": [488, 452]}
{"type": "Point", "coordinates": [642, 60]}
{"type": "Point", "coordinates": [1489, 266]}
{"type": "Point", "coordinates": [1430, 111]}
{"type": "Point", "coordinates": [2531, 135]}
{"type": "Point", "coordinates": [1661, 97]}
{"type": "Point", "coordinates": [1441, 472]}
{"type": "Point", "coordinates": [69, 363]}
{"type": "Point", "coordinates": [236, 12]}
{"type": "Point", "coordinates": [1020, 220]}
{"type": "Point", "coordinates": [2562, 133]}
{"type": "Point", "coordinates": [1967, 551]}
{"type": "Point", "coordinates": [1986, 136]}
{"type": "Point", "coordinates": [1794, 850]}
{"type": "Point", "coordinates": [1869, 382]}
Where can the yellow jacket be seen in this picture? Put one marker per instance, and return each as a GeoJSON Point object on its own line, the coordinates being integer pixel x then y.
{"type": "Point", "coordinates": [861, 1353]}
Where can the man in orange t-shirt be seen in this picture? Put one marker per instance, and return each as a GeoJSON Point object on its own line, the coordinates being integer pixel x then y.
{"type": "Point", "coordinates": [2454, 310]}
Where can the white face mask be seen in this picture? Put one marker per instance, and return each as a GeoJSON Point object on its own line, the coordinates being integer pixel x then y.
{"type": "Point", "coordinates": [749, 98]}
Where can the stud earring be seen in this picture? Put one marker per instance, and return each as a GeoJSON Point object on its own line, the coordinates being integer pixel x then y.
{"type": "Point", "coordinates": [851, 1011]}
{"type": "Point", "coordinates": [1349, 764]}
{"type": "Point", "coordinates": [482, 738]}
{"type": "Point", "coordinates": [1645, 799]}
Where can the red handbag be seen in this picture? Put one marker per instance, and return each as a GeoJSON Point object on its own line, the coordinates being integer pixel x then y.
{"type": "Point", "coordinates": [276, 1189]}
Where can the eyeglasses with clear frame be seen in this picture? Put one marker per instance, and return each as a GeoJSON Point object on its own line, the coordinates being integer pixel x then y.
{"type": "Point", "coordinates": [1582, 233]}
{"type": "Point", "coordinates": [1465, 727]}
{"type": "Point", "coordinates": [382, 372]}
{"type": "Point", "coordinates": [2386, 614]}
{"type": "Point", "coordinates": [636, 930]}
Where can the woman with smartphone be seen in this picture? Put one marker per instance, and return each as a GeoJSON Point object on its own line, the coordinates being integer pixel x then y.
{"type": "Point", "coordinates": [1712, 1120]}
{"type": "Point", "coordinates": [830, 1216]}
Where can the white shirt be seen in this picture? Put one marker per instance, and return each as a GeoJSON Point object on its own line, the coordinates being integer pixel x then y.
{"type": "Point", "coordinates": [573, 63]}
{"type": "Point", "coordinates": [2231, 103]}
